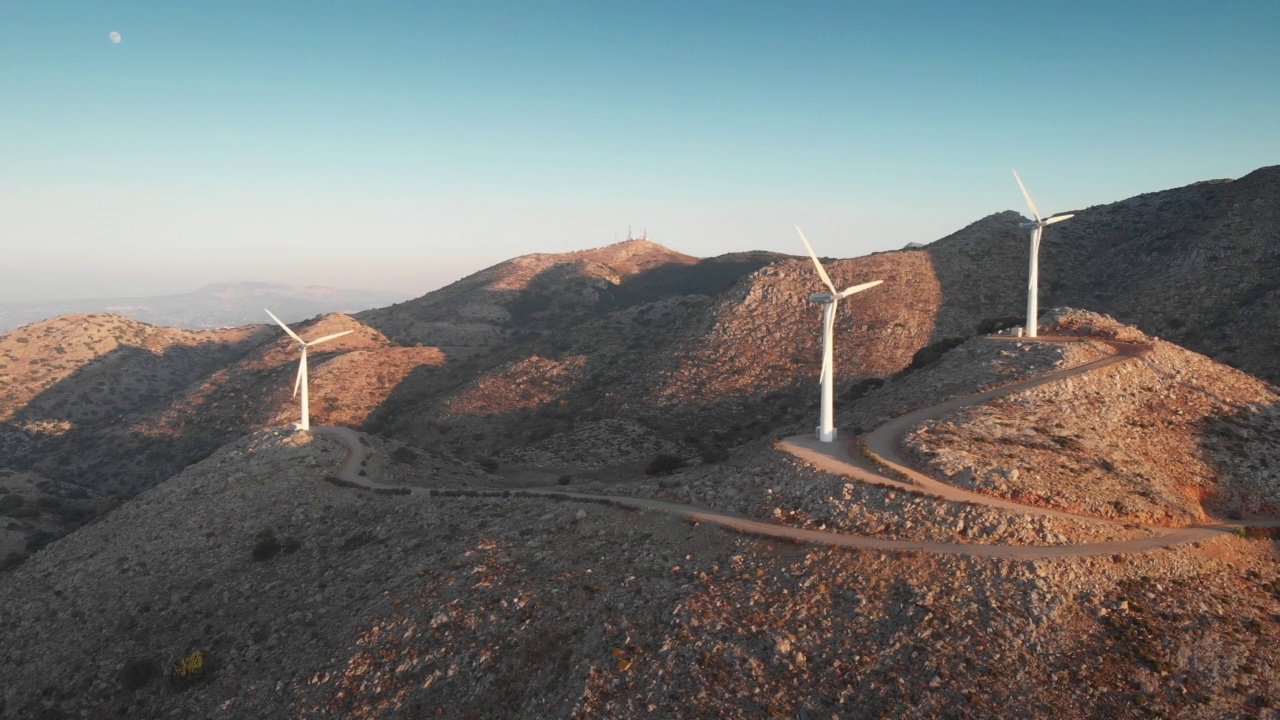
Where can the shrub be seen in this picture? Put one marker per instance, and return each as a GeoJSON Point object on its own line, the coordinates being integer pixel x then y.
{"type": "Point", "coordinates": [714, 454]}
{"type": "Point", "coordinates": [489, 464]}
{"type": "Point", "coordinates": [664, 464]}
{"type": "Point", "coordinates": [39, 539]}
{"type": "Point", "coordinates": [11, 561]}
{"type": "Point", "coordinates": [138, 672]}
{"type": "Point", "coordinates": [48, 503]}
{"type": "Point", "coordinates": [995, 325]}
{"type": "Point", "coordinates": [565, 479]}
{"type": "Point", "coordinates": [932, 353]}
{"type": "Point", "coordinates": [404, 456]}
{"type": "Point", "coordinates": [190, 669]}
{"type": "Point", "coordinates": [9, 503]}
{"type": "Point", "coordinates": [268, 546]}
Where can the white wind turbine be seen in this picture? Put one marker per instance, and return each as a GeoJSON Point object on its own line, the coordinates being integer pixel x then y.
{"type": "Point", "coordinates": [826, 429]}
{"type": "Point", "coordinates": [1037, 226]}
{"type": "Point", "coordinates": [302, 368]}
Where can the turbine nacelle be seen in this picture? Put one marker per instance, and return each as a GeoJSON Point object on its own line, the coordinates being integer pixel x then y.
{"type": "Point", "coordinates": [823, 298]}
{"type": "Point", "coordinates": [1046, 222]}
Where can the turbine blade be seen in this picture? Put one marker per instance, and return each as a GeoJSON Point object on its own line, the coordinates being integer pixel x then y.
{"type": "Point", "coordinates": [292, 334]}
{"type": "Point", "coordinates": [1059, 218]}
{"type": "Point", "coordinates": [298, 381]}
{"type": "Point", "coordinates": [858, 288]}
{"type": "Point", "coordinates": [329, 337]}
{"type": "Point", "coordinates": [822, 273]}
{"type": "Point", "coordinates": [1030, 203]}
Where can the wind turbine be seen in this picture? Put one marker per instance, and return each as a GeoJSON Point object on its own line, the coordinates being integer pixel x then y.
{"type": "Point", "coordinates": [302, 368]}
{"type": "Point", "coordinates": [826, 429]}
{"type": "Point", "coordinates": [1033, 281]}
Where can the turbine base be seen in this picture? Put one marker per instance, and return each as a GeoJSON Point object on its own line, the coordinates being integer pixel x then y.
{"type": "Point", "coordinates": [828, 436]}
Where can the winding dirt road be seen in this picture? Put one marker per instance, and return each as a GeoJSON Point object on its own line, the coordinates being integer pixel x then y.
{"type": "Point", "coordinates": [881, 443]}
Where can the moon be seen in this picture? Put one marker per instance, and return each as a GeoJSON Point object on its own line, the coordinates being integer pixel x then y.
{"type": "Point", "coordinates": [115, 37]}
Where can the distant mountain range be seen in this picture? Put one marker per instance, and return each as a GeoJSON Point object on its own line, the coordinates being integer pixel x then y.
{"type": "Point", "coordinates": [213, 306]}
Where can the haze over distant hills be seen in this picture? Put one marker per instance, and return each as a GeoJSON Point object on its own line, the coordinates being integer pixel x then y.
{"type": "Point", "coordinates": [217, 305]}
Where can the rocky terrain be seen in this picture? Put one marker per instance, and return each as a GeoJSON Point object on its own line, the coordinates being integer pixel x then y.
{"type": "Point", "coordinates": [522, 297]}
{"type": "Point", "coordinates": [1154, 441]}
{"type": "Point", "coordinates": [81, 368]}
{"type": "Point", "coordinates": [35, 511]}
{"type": "Point", "coordinates": [1196, 265]}
{"type": "Point", "coordinates": [131, 404]}
{"type": "Point", "coordinates": [249, 586]}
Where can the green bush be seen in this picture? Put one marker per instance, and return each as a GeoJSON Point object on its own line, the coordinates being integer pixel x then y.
{"type": "Point", "coordinates": [488, 464]}
{"type": "Point", "coordinates": [565, 479]}
{"type": "Point", "coordinates": [191, 669]}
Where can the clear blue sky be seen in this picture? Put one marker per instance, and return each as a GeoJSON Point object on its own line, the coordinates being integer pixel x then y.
{"type": "Point", "coordinates": [405, 144]}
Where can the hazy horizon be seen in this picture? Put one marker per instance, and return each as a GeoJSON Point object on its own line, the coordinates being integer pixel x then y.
{"type": "Point", "coordinates": [400, 148]}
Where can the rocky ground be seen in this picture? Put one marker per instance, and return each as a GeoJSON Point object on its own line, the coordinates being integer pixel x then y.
{"type": "Point", "coordinates": [35, 511]}
{"type": "Point", "coordinates": [595, 445]}
{"type": "Point", "coordinates": [771, 485]}
{"type": "Point", "coordinates": [305, 599]}
{"type": "Point", "coordinates": [1146, 441]}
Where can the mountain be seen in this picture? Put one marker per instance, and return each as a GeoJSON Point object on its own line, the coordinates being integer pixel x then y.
{"type": "Point", "coordinates": [219, 305]}
{"type": "Point", "coordinates": [248, 585]}
{"type": "Point", "coordinates": [1199, 265]}
{"type": "Point", "coordinates": [533, 294]}
{"type": "Point", "coordinates": [716, 370]}
{"type": "Point", "coordinates": [118, 406]}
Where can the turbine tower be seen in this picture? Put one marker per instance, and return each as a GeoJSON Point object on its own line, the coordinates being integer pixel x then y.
{"type": "Point", "coordinates": [1033, 280]}
{"type": "Point", "coordinates": [830, 301]}
{"type": "Point", "coordinates": [302, 368]}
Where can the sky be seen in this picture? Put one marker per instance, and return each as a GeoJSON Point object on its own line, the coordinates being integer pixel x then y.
{"type": "Point", "coordinates": [402, 145]}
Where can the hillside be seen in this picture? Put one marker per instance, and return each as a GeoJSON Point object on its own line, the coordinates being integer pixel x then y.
{"type": "Point", "coordinates": [36, 511]}
{"type": "Point", "coordinates": [82, 368]}
{"type": "Point", "coordinates": [709, 371]}
{"type": "Point", "coordinates": [527, 295]}
{"type": "Point", "coordinates": [309, 600]}
{"type": "Point", "coordinates": [219, 305]}
{"type": "Point", "coordinates": [1197, 265]}
{"type": "Point", "coordinates": [131, 417]}
{"type": "Point", "coordinates": [1167, 440]}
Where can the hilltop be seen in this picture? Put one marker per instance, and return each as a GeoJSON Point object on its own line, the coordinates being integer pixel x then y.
{"type": "Point", "coordinates": [534, 293]}
{"type": "Point", "coordinates": [1197, 265]}
{"type": "Point", "coordinates": [133, 404]}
